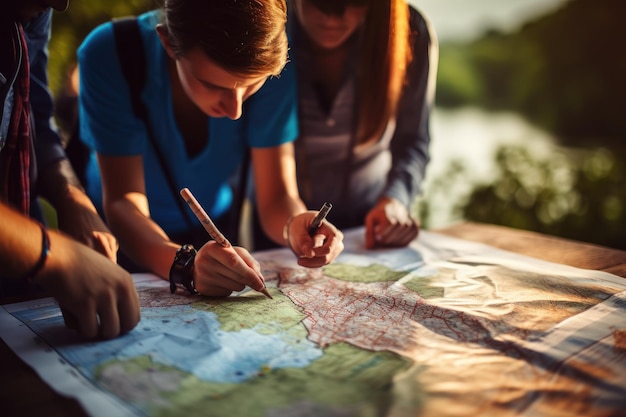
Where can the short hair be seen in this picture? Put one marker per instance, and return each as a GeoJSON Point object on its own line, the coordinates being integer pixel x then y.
{"type": "Point", "coordinates": [245, 37]}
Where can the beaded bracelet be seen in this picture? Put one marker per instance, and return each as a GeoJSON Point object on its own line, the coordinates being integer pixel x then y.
{"type": "Point", "coordinates": [45, 252]}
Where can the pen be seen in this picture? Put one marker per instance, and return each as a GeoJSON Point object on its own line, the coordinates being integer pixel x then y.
{"type": "Point", "coordinates": [319, 218]}
{"type": "Point", "coordinates": [208, 224]}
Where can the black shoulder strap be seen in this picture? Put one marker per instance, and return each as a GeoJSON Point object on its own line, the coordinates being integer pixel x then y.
{"type": "Point", "coordinates": [241, 186]}
{"type": "Point", "coordinates": [132, 59]}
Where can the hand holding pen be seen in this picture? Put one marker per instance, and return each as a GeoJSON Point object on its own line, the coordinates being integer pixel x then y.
{"type": "Point", "coordinates": [219, 267]}
{"type": "Point", "coordinates": [315, 242]}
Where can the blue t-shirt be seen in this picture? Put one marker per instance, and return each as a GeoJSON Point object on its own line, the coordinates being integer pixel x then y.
{"type": "Point", "coordinates": [108, 125]}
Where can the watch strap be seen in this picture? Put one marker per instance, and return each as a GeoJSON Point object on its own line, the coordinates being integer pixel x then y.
{"type": "Point", "coordinates": [181, 272]}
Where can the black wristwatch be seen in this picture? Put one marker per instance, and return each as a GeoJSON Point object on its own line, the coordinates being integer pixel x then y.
{"type": "Point", "coordinates": [181, 272]}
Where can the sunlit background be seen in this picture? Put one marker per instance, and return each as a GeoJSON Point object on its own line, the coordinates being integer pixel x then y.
{"type": "Point", "coordinates": [529, 126]}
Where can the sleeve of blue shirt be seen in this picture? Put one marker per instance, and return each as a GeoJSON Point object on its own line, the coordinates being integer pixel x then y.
{"type": "Point", "coordinates": [272, 113]}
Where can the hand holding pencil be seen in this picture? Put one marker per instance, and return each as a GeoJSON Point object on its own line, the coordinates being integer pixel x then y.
{"type": "Point", "coordinates": [313, 240]}
{"type": "Point", "coordinates": [220, 268]}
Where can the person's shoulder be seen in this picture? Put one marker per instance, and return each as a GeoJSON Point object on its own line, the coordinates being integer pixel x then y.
{"type": "Point", "coordinates": [151, 42]}
{"type": "Point", "coordinates": [418, 20]}
{"type": "Point", "coordinates": [100, 37]}
{"type": "Point", "coordinates": [103, 35]}
{"type": "Point", "coordinates": [420, 24]}
{"type": "Point", "coordinates": [148, 20]}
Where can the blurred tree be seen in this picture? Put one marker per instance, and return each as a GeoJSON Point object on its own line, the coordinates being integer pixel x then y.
{"type": "Point", "coordinates": [458, 83]}
{"type": "Point", "coordinates": [451, 182]}
{"type": "Point", "coordinates": [564, 72]}
{"type": "Point", "coordinates": [70, 28]}
{"type": "Point", "coordinates": [580, 196]}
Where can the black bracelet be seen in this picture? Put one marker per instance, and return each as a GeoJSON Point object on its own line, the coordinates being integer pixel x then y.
{"type": "Point", "coordinates": [181, 272]}
{"type": "Point", "coordinates": [45, 252]}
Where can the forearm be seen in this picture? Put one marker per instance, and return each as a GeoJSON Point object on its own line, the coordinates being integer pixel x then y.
{"type": "Point", "coordinates": [275, 215]}
{"type": "Point", "coordinates": [76, 213]}
{"type": "Point", "coordinates": [140, 237]}
{"type": "Point", "coordinates": [277, 195]}
{"type": "Point", "coordinates": [58, 184]}
{"type": "Point", "coordinates": [404, 180]}
{"type": "Point", "coordinates": [18, 250]}
{"type": "Point", "coordinates": [409, 147]}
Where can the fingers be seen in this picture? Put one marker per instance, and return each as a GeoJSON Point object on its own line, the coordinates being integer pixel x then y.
{"type": "Point", "coordinates": [305, 246]}
{"type": "Point", "coordinates": [96, 296]}
{"type": "Point", "coordinates": [390, 224]}
{"type": "Point", "coordinates": [393, 234]}
{"type": "Point", "coordinates": [88, 321]}
{"type": "Point", "coordinates": [70, 320]}
{"type": "Point", "coordinates": [247, 270]}
{"type": "Point", "coordinates": [325, 254]}
{"type": "Point", "coordinates": [106, 244]}
{"type": "Point", "coordinates": [114, 315]}
{"type": "Point", "coordinates": [220, 285]}
{"type": "Point", "coordinates": [118, 312]}
{"type": "Point", "coordinates": [128, 310]}
{"type": "Point", "coordinates": [109, 320]}
{"type": "Point", "coordinates": [249, 260]}
{"type": "Point", "coordinates": [310, 246]}
{"type": "Point", "coordinates": [219, 270]}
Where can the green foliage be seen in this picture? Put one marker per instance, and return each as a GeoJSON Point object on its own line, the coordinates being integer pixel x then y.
{"type": "Point", "coordinates": [564, 72]}
{"type": "Point", "coordinates": [583, 45]}
{"type": "Point", "coordinates": [579, 196]}
{"type": "Point", "coordinates": [70, 28]}
{"type": "Point", "coordinates": [457, 81]}
{"type": "Point", "coordinates": [437, 198]}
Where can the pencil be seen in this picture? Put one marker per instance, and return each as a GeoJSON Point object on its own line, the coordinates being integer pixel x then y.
{"type": "Point", "coordinates": [319, 218]}
{"type": "Point", "coordinates": [208, 225]}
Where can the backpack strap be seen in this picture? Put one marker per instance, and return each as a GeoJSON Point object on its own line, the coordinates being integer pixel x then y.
{"type": "Point", "coordinates": [132, 59]}
{"type": "Point", "coordinates": [241, 187]}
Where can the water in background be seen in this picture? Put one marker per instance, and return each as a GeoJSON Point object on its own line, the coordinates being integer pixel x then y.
{"type": "Point", "coordinates": [463, 20]}
{"type": "Point", "coordinates": [472, 136]}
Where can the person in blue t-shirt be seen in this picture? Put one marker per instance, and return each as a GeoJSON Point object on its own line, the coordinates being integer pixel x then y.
{"type": "Point", "coordinates": [204, 60]}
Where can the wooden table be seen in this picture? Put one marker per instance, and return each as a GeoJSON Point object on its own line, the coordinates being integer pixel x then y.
{"type": "Point", "coordinates": [547, 248]}
{"type": "Point", "coordinates": [23, 393]}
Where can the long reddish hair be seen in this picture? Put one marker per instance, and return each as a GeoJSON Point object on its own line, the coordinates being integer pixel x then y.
{"type": "Point", "coordinates": [386, 54]}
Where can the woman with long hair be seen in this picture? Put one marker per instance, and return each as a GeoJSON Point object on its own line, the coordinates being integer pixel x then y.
{"type": "Point", "coordinates": [366, 74]}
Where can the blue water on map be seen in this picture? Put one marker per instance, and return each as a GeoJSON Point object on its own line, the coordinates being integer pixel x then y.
{"type": "Point", "coordinates": [180, 336]}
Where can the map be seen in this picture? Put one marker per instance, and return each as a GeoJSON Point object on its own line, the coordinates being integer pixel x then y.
{"type": "Point", "coordinates": [443, 327]}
